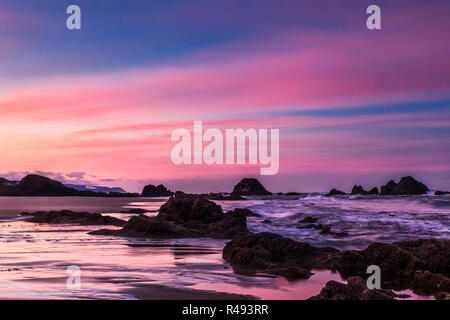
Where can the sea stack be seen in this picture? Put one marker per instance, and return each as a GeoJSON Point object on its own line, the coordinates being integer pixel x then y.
{"type": "Point", "coordinates": [156, 191]}
{"type": "Point", "coordinates": [250, 187]}
{"type": "Point", "coordinates": [406, 186]}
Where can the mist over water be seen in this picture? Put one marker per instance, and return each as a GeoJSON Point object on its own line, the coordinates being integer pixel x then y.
{"type": "Point", "coordinates": [34, 257]}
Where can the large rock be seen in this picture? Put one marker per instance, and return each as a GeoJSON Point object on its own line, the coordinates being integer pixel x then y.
{"type": "Point", "coordinates": [425, 282]}
{"type": "Point", "coordinates": [71, 217]}
{"type": "Point", "coordinates": [433, 254]}
{"type": "Point", "coordinates": [398, 261]}
{"type": "Point", "coordinates": [185, 215]}
{"type": "Point", "coordinates": [143, 226]}
{"type": "Point", "coordinates": [335, 192]}
{"type": "Point", "coordinates": [35, 185]}
{"type": "Point", "coordinates": [406, 186]}
{"type": "Point", "coordinates": [355, 289]}
{"type": "Point", "coordinates": [358, 190]}
{"type": "Point", "coordinates": [156, 191]}
{"type": "Point", "coordinates": [334, 290]}
{"type": "Point", "coordinates": [273, 253]}
{"type": "Point", "coordinates": [374, 190]}
{"type": "Point", "coordinates": [250, 187]}
{"type": "Point", "coordinates": [397, 265]}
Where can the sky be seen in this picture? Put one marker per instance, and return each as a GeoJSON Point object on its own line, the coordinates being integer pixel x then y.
{"type": "Point", "coordinates": [98, 105]}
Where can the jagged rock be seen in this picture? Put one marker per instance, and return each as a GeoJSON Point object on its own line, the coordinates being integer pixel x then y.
{"type": "Point", "coordinates": [355, 289]}
{"type": "Point", "coordinates": [334, 290]}
{"type": "Point", "coordinates": [266, 252]}
{"type": "Point", "coordinates": [406, 186]}
{"type": "Point", "coordinates": [185, 215]}
{"type": "Point", "coordinates": [250, 187]}
{"type": "Point", "coordinates": [388, 187]}
{"type": "Point", "coordinates": [71, 217]}
{"type": "Point", "coordinates": [398, 261]}
{"type": "Point", "coordinates": [335, 192]}
{"type": "Point", "coordinates": [156, 191]}
{"type": "Point", "coordinates": [374, 190]}
{"type": "Point", "coordinates": [397, 264]}
{"type": "Point", "coordinates": [427, 282]}
{"type": "Point", "coordinates": [183, 208]}
{"type": "Point", "coordinates": [358, 190]}
{"type": "Point", "coordinates": [434, 254]}
{"type": "Point", "coordinates": [143, 226]}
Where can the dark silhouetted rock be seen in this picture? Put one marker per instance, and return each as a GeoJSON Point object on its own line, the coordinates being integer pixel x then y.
{"type": "Point", "coordinates": [441, 193]}
{"type": "Point", "coordinates": [335, 192]}
{"type": "Point", "coordinates": [183, 208]}
{"type": "Point", "coordinates": [358, 190]}
{"type": "Point", "coordinates": [271, 253]}
{"type": "Point", "coordinates": [250, 187]}
{"type": "Point", "coordinates": [245, 212]}
{"type": "Point", "coordinates": [267, 221]}
{"type": "Point", "coordinates": [35, 185]}
{"type": "Point", "coordinates": [374, 190]}
{"type": "Point", "coordinates": [185, 215]}
{"type": "Point", "coordinates": [355, 289]}
{"type": "Point", "coordinates": [406, 186]}
{"type": "Point", "coordinates": [334, 290]}
{"type": "Point", "coordinates": [144, 226]}
{"type": "Point", "coordinates": [156, 191]}
{"type": "Point", "coordinates": [71, 217]}
{"type": "Point", "coordinates": [388, 188]}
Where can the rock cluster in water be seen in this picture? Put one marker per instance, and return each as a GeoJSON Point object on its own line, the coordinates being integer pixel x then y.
{"type": "Point", "coordinates": [184, 215]}
{"type": "Point", "coordinates": [275, 254]}
{"type": "Point", "coordinates": [249, 187]}
{"type": "Point", "coordinates": [156, 191]}
{"type": "Point", "coordinates": [406, 186]}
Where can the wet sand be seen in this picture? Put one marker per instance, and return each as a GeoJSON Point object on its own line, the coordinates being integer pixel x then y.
{"type": "Point", "coordinates": [11, 207]}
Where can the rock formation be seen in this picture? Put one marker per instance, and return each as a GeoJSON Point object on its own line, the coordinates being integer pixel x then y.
{"type": "Point", "coordinates": [249, 187]}
{"type": "Point", "coordinates": [156, 191]}
{"type": "Point", "coordinates": [184, 215]}
{"type": "Point", "coordinates": [406, 186]}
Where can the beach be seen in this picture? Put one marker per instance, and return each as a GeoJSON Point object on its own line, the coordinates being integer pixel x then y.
{"type": "Point", "coordinates": [35, 256]}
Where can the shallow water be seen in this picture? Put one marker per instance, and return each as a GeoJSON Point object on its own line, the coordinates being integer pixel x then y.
{"type": "Point", "coordinates": [34, 257]}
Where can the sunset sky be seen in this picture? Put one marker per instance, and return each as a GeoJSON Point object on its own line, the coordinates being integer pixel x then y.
{"type": "Point", "coordinates": [98, 105]}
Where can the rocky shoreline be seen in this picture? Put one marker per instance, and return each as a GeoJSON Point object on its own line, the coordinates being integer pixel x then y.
{"type": "Point", "coordinates": [422, 265]}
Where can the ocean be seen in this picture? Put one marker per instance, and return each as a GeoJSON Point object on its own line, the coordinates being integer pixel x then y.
{"type": "Point", "coordinates": [34, 257]}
